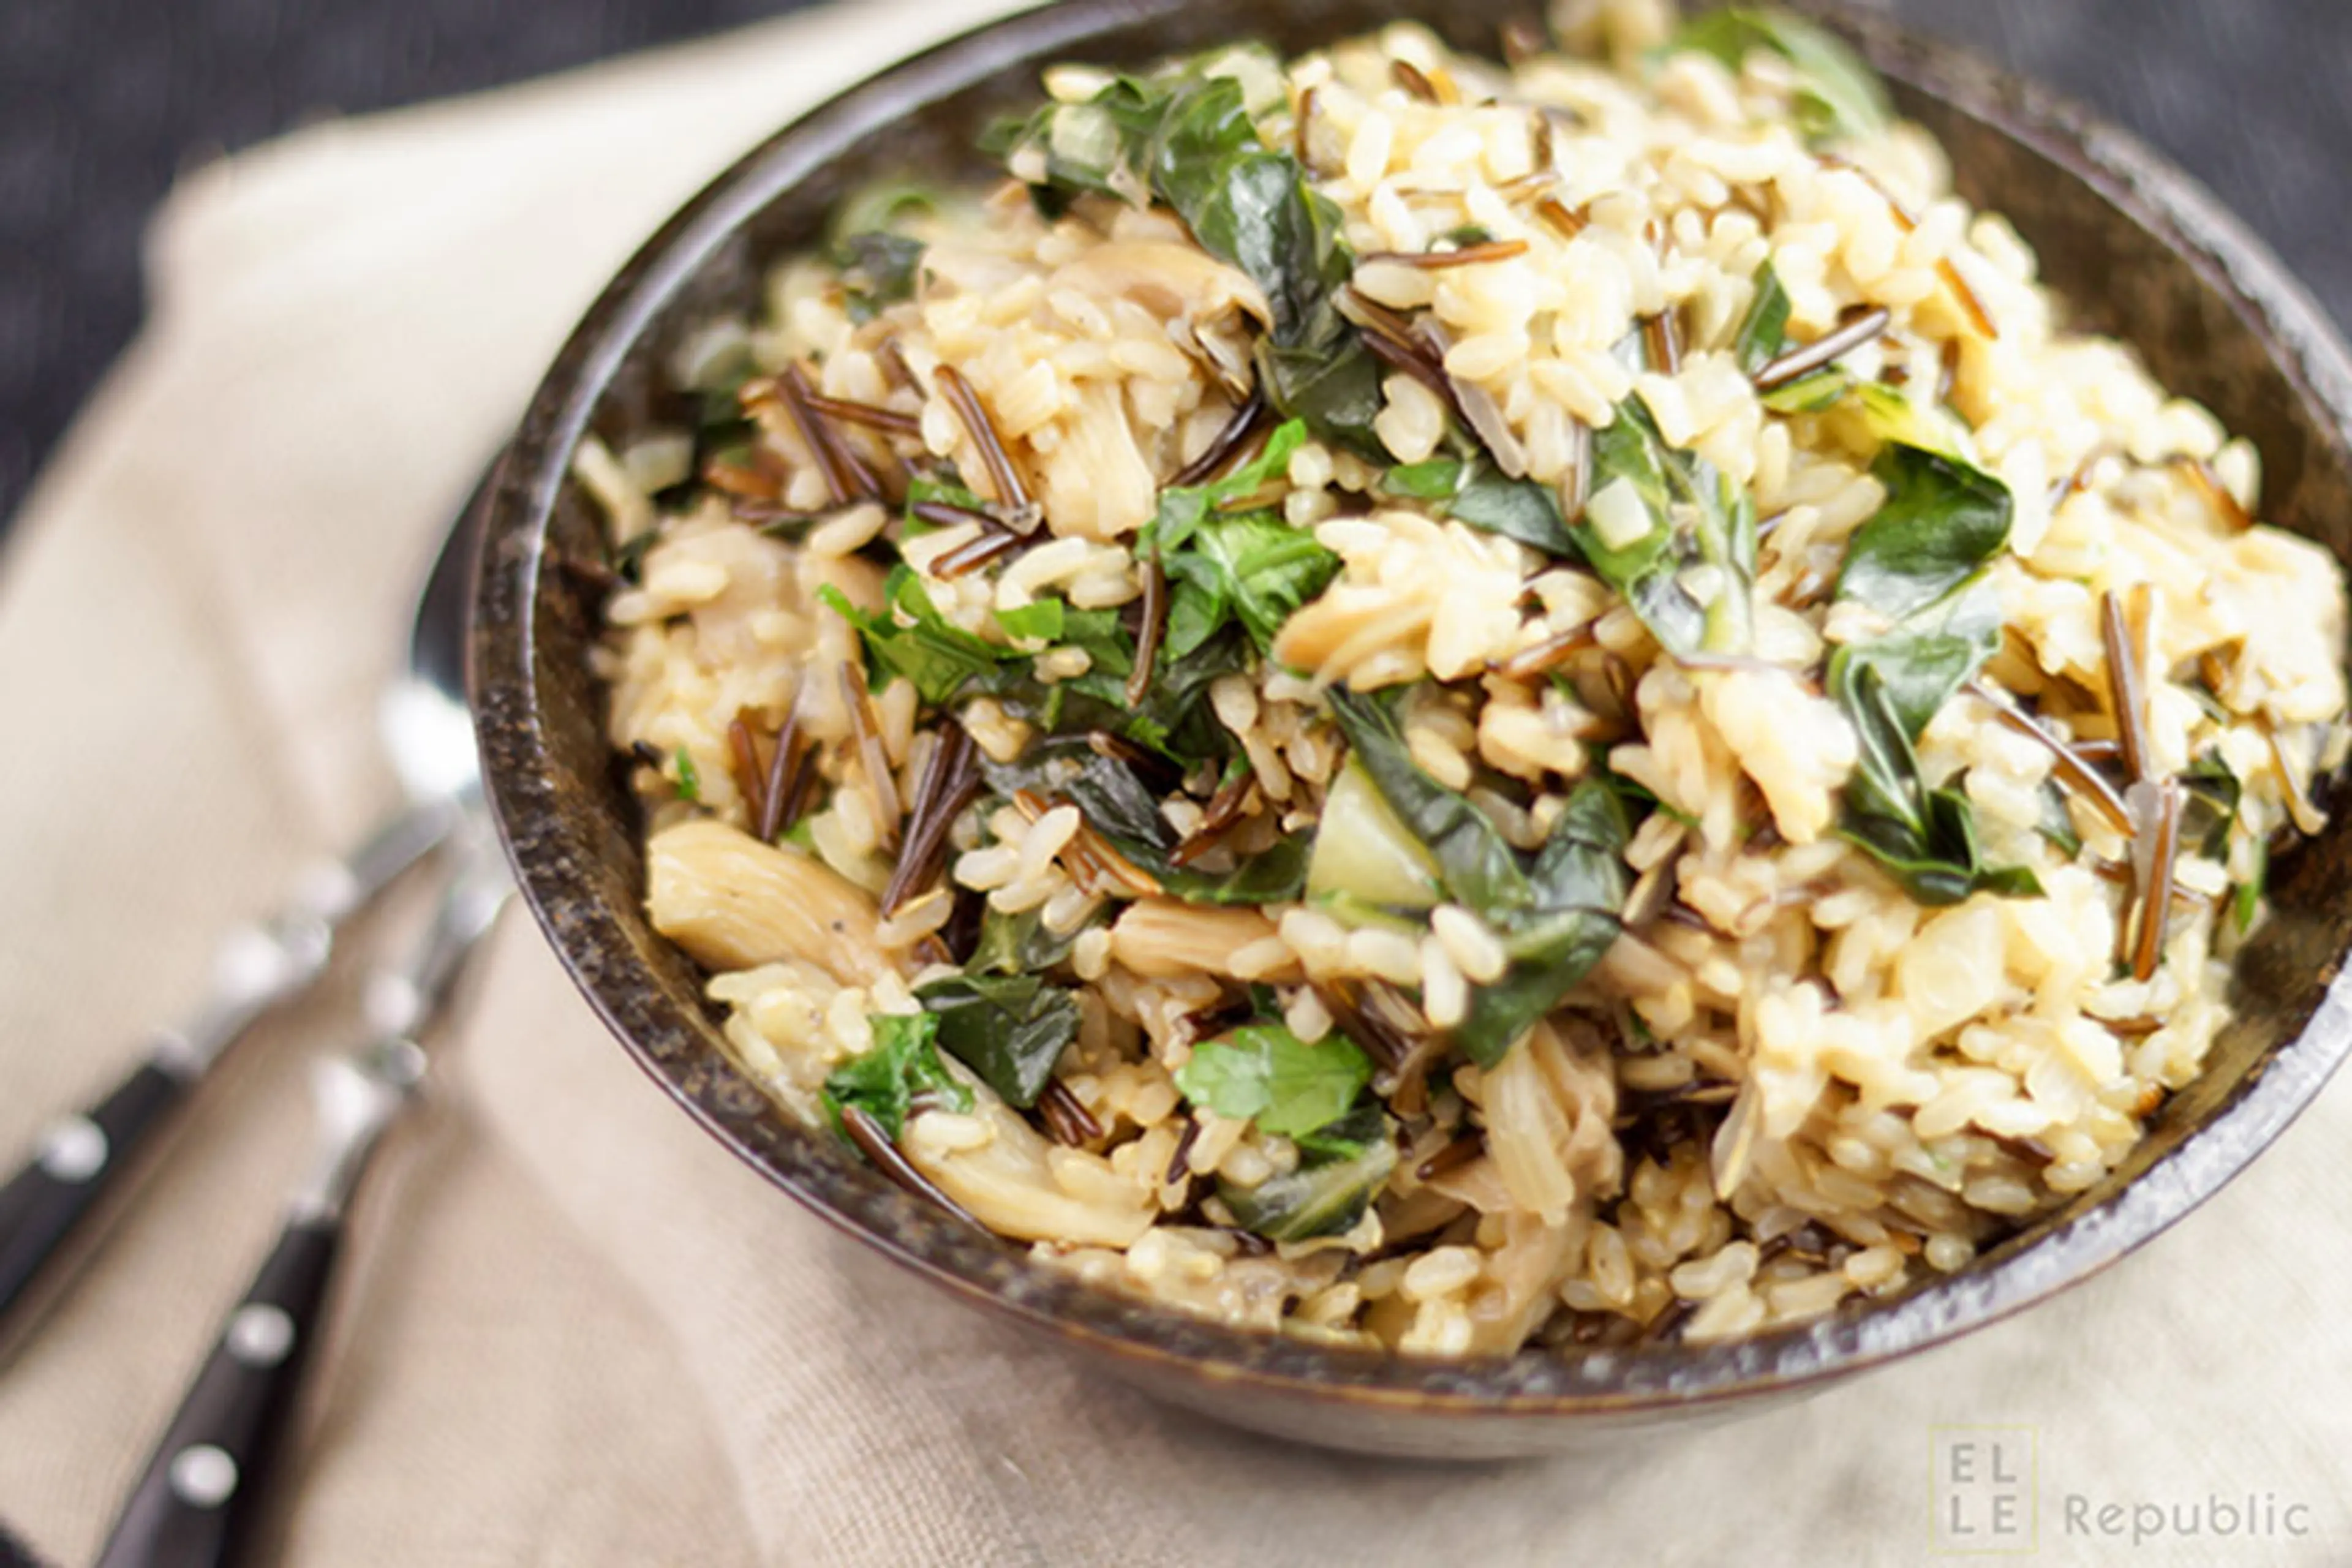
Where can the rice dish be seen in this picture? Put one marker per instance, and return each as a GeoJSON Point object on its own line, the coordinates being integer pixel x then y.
{"type": "Point", "coordinates": [1443, 703]}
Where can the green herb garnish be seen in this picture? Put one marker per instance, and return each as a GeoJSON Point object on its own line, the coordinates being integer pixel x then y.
{"type": "Point", "coordinates": [689, 778]}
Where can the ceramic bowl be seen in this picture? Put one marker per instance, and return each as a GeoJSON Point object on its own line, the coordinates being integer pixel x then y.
{"type": "Point", "coordinates": [2138, 249]}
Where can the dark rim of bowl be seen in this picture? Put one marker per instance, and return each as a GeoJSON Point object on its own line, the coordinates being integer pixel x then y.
{"type": "Point", "coordinates": [548, 853]}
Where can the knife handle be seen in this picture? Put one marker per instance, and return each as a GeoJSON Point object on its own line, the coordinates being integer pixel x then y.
{"type": "Point", "coordinates": [204, 1487]}
{"type": "Point", "coordinates": [79, 1160]}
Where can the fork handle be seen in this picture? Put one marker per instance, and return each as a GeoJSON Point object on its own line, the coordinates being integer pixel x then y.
{"type": "Point", "coordinates": [78, 1160]}
{"type": "Point", "coordinates": [205, 1486]}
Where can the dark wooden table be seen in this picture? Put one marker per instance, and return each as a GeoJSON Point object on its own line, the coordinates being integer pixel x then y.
{"type": "Point", "coordinates": [102, 100]}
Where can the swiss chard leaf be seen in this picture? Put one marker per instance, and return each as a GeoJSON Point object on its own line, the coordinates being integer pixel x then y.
{"type": "Point", "coordinates": [1696, 517]}
{"type": "Point", "coordinates": [1184, 136]}
{"type": "Point", "coordinates": [1889, 688]}
{"type": "Point", "coordinates": [1322, 1197]}
{"type": "Point", "coordinates": [881, 270]}
{"type": "Point", "coordinates": [1253, 567]}
{"type": "Point", "coordinates": [1009, 1028]}
{"type": "Point", "coordinates": [1943, 519]}
{"type": "Point", "coordinates": [1556, 916]}
{"type": "Point", "coordinates": [1577, 887]}
{"type": "Point", "coordinates": [908, 636]}
{"type": "Point", "coordinates": [1183, 508]}
{"type": "Point", "coordinates": [1476, 493]}
{"type": "Point", "coordinates": [1274, 874]}
{"type": "Point", "coordinates": [1017, 944]}
{"type": "Point", "coordinates": [2210, 809]}
{"type": "Point", "coordinates": [2057, 824]}
{"type": "Point", "coordinates": [1477, 865]}
{"type": "Point", "coordinates": [1225, 565]}
{"type": "Point", "coordinates": [1764, 331]}
{"type": "Point", "coordinates": [1933, 653]}
{"type": "Point", "coordinates": [1824, 388]}
{"type": "Point", "coordinates": [2247, 901]}
{"type": "Point", "coordinates": [902, 1067]}
{"type": "Point", "coordinates": [1838, 95]}
{"type": "Point", "coordinates": [1174, 719]}
{"type": "Point", "coordinates": [1115, 804]}
{"type": "Point", "coordinates": [1350, 1136]}
{"type": "Point", "coordinates": [1267, 1074]}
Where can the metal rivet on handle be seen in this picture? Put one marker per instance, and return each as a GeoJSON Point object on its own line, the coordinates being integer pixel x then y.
{"type": "Point", "coordinates": [203, 1475]}
{"type": "Point", "coordinates": [260, 1334]}
{"type": "Point", "coordinates": [73, 1150]}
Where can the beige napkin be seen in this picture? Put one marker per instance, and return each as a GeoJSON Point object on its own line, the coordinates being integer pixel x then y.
{"type": "Point", "coordinates": [576, 1332]}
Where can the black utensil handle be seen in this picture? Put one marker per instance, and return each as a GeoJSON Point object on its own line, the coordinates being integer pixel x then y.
{"type": "Point", "coordinates": [202, 1488]}
{"type": "Point", "coordinates": [79, 1160]}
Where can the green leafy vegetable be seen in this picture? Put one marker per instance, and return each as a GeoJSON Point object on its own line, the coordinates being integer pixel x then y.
{"type": "Point", "coordinates": [1764, 332]}
{"type": "Point", "coordinates": [881, 204]}
{"type": "Point", "coordinates": [1174, 719]}
{"type": "Point", "coordinates": [1253, 567]}
{"type": "Point", "coordinates": [629, 559]}
{"type": "Point", "coordinates": [908, 636]}
{"type": "Point", "coordinates": [1347, 1137]}
{"type": "Point", "coordinates": [1578, 884]}
{"type": "Point", "coordinates": [1268, 1075]}
{"type": "Point", "coordinates": [1038, 622]}
{"type": "Point", "coordinates": [1838, 95]}
{"type": "Point", "coordinates": [924, 487]}
{"type": "Point", "coordinates": [2248, 901]}
{"type": "Point", "coordinates": [1480, 494]}
{"type": "Point", "coordinates": [1117, 806]}
{"type": "Point", "coordinates": [1363, 853]}
{"type": "Point", "coordinates": [1895, 419]}
{"type": "Point", "coordinates": [1478, 867]}
{"type": "Point", "coordinates": [1009, 1028]}
{"type": "Point", "coordinates": [1695, 517]}
{"type": "Point", "coordinates": [1225, 565]}
{"type": "Point", "coordinates": [1183, 509]}
{"type": "Point", "coordinates": [1185, 135]}
{"type": "Point", "coordinates": [901, 1069]}
{"type": "Point", "coordinates": [1943, 519]}
{"type": "Point", "coordinates": [1890, 687]}
{"type": "Point", "coordinates": [1556, 916]}
{"type": "Point", "coordinates": [2210, 809]}
{"type": "Point", "coordinates": [1017, 944]}
{"type": "Point", "coordinates": [1809, 394]}
{"type": "Point", "coordinates": [1932, 655]}
{"type": "Point", "coordinates": [2057, 823]}
{"type": "Point", "coordinates": [689, 779]}
{"type": "Point", "coordinates": [1321, 1197]}
{"type": "Point", "coordinates": [881, 270]}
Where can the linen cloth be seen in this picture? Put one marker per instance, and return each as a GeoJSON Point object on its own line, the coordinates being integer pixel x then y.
{"type": "Point", "coordinates": [573, 1331]}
